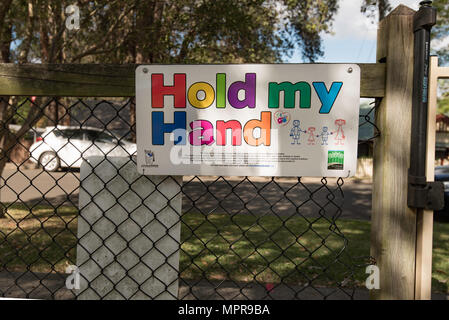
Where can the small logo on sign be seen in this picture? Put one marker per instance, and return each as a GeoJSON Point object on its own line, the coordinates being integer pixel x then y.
{"type": "Point", "coordinates": [335, 160]}
{"type": "Point", "coordinates": [282, 118]}
{"type": "Point", "coordinates": [149, 157]}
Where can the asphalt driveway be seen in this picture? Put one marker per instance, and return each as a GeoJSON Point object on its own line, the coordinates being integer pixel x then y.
{"type": "Point", "coordinates": [256, 196]}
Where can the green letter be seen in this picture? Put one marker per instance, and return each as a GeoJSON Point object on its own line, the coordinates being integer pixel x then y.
{"type": "Point", "coordinates": [289, 94]}
{"type": "Point", "coordinates": [221, 90]}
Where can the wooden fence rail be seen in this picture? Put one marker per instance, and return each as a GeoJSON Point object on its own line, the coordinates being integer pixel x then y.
{"type": "Point", "coordinates": [95, 80]}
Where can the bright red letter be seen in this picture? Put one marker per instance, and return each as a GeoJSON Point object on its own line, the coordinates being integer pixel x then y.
{"type": "Point", "coordinates": [236, 131]}
{"type": "Point", "coordinates": [158, 90]}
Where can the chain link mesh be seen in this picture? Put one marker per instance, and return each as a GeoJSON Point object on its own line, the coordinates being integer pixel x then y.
{"type": "Point", "coordinates": [241, 237]}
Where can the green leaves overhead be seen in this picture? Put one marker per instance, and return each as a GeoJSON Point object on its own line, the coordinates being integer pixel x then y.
{"type": "Point", "coordinates": [306, 21]}
{"type": "Point", "coordinates": [177, 31]}
{"type": "Point", "coordinates": [171, 31]}
{"type": "Point", "coordinates": [440, 32]}
{"type": "Point", "coordinates": [376, 8]}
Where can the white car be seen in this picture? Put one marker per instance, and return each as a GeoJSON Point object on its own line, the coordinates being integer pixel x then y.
{"type": "Point", "coordinates": [67, 146]}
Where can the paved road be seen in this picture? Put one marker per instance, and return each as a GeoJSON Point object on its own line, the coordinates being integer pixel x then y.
{"type": "Point", "coordinates": [284, 196]}
{"type": "Point", "coordinates": [42, 286]}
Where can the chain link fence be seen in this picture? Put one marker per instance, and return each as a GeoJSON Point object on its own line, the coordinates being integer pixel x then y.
{"type": "Point", "coordinates": [240, 237]}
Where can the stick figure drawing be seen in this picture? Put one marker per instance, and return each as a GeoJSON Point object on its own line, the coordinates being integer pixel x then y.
{"type": "Point", "coordinates": [295, 132]}
{"type": "Point", "coordinates": [311, 133]}
{"type": "Point", "coordinates": [324, 136]}
{"type": "Point", "coordinates": [340, 136]}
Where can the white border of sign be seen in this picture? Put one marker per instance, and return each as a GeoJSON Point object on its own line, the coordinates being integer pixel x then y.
{"type": "Point", "coordinates": [316, 137]}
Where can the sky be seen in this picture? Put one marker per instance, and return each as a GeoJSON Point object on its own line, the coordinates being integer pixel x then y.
{"type": "Point", "coordinates": [354, 36]}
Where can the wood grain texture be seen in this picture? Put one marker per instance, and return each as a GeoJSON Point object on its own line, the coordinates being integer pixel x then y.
{"type": "Point", "coordinates": [424, 232]}
{"type": "Point", "coordinates": [94, 80]}
{"type": "Point", "coordinates": [393, 228]}
{"type": "Point", "coordinates": [442, 73]}
{"type": "Point", "coordinates": [78, 80]}
{"type": "Point", "coordinates": [424, 226]}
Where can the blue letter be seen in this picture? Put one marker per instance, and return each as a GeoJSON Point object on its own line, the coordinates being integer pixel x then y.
{"type": "Point", "coordinates": [159, 128]}
{"type": "Point", "coordinates": [327, 98]}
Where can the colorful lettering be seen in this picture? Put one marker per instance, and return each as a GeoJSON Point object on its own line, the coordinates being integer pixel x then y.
{"type": "Point", "coordinates": [159, 127]}
{"type": "Point", "coordinates": [265, 130]}
{"type": "Point", "coordinates": [203, 133]}
{"type": "Point", "coordinates": [249, 86]}
{"type": "Point", "coordinates": [236, 132]}
{"type": "Point", "coordinates": [327, 98]}
{"type": "Point", "coordinates": [159, 90]}
{"type": "Point", "coordinates": [221, 90]}
{"type": "Point", "coordinates": [290, 90]}
{"type": "Point", "coordinates": [209, 95]}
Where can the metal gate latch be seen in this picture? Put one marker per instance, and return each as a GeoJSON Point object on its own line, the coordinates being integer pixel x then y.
{"type": "Point", "coordinates": [421, 193]}
{"type": "Point", "coordinates": [425, 195]}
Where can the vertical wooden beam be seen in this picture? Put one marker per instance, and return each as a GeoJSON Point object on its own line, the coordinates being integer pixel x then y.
{"type": "Point", "coordinates": [424, 226]}
{"type": "Point", "coordinates": [393, 228]}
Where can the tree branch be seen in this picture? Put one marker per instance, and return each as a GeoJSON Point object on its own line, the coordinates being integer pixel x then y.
{"type": "Point", "coordinates": [96, 47]}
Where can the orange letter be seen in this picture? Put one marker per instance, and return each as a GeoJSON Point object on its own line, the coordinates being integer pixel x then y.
{"type": "Point", "coordinates": [265, 130]}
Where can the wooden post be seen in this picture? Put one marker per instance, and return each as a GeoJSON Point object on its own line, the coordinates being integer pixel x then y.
{"type": "Point", "coordinates": [393, 229]}
{"type": "Point", "coordinates": [424, 227]}
{"type": "Point", "coordinates": [424, 231]}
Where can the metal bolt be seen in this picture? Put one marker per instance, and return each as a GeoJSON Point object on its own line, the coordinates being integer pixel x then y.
{"type": "Point", "coordinates": [350, 70]}
{"type": "Point", "coordinates": [145, 70]}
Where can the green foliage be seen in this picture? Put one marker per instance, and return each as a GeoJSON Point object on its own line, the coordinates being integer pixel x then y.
{"type": "Point", "coordinates": [22, 108]}
{"type": "Point", "coordinates": [443, 99]}
{"type": "Point", "coordinates": [171, 31]}
{"type": "Point", "coordinates": [203, 249]}
{"type": "Point", "coordinates": [443, 104]}
{"type": "Point", "coordinates": [441, 30]}
{"type": "Point", "coordinates": [306, 20]}
{"type": "Point", "coordinates": [380, 9]}
{"type": "Point", "coordinates": [376, 8]}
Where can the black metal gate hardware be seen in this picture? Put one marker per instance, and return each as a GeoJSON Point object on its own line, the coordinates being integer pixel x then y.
{"type": "Point", "coordinates": [421, 193]}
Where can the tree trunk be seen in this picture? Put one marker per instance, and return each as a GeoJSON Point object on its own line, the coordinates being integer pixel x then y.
{"type": "Point", "coordinates": [5, 112]}
{"type": "Point", "coordinates": [5, 140]}
{"type": "Point", "coordinates": [148, 18]}
{"type": "Point", "coordinates": [384, 8]}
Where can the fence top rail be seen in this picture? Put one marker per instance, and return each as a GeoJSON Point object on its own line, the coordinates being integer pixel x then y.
{"type": "Point", "coordinates": [437, 71]}
{"type": "Point", "coordinates": [107, 80]}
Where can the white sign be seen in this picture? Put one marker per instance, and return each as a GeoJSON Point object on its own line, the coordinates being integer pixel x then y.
{"type": "Point", "coordinates": [248, 120]}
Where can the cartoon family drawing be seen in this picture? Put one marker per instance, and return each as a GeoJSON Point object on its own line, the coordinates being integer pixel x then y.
{"type": "Point", "coordinates": [296, 131]}
{"type": "Point", "coordinates": [311, 133]}
{"type": "Point", "coordinates": [324, 136]}
{"type": "Point", "coordinates": [340, 136]}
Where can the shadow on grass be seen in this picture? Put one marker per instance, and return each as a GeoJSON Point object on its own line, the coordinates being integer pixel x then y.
{"type": "Point", "coordinates": [38, 238]}
{"type": "Point", "coordinates": [288, 250]}
{"type": "Point", "coordinates": [270, 249]}
{"type": "Point", "coordinates": [240, 247]}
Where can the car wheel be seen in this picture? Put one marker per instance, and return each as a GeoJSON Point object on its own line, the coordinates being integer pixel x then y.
{"type": "Point", "coordinates": [49, 161]}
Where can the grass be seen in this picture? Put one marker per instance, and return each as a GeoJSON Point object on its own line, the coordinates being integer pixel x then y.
{"type": "Point", "coordinates": [245, 248]}
{"type": "Point", "coordinates": [269, 249]}
{"type": "Point", "coordinates": [41, 238]}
